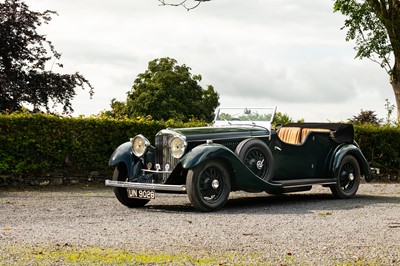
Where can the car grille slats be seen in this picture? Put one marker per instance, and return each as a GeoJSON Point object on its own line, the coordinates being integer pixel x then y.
{"type": "Point", "coordinates": [163, 156]}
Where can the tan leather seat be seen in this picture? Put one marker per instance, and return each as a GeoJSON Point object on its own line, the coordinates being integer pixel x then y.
{"type": "Point", "coordinates": [305, 131]}
{"type": "Point", "coordinates": [289, 135]}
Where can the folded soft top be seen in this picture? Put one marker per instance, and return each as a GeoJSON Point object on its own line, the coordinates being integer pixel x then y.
{"type": "Point", "coordinates": [340, 132]}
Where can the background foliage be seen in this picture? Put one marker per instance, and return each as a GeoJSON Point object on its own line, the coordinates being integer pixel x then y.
{"type": "Point", "coordinates": [167, 90]}
{"type": "Point", "coordinates": [25, 56]}
{"type": "Point", "coordinates": [34, 145]}
{"type": "Point", "coordinates": [381, 146]}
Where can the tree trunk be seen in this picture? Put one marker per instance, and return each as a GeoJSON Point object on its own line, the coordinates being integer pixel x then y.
{"type": "Point", "coordinates": [396, 90]}
{"type": "Point", "coordinates": [395, 81]}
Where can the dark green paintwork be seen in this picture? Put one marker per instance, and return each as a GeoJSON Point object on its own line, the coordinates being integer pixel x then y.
{"type": "Point", "coordinates": [244, 178]}
{"type": "Point", "coordinates": [124, 154]}
{"type": "Point", "coordinates": [318, 157]}
{"type": "Point", "coordinates": [350, 149]}
{"type": "Point", "coordinates": [220, 133]}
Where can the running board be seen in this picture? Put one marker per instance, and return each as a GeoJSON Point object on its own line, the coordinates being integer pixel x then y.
{"type": "Point", "coordinates": [146, 186]}
{"type": "Point", "coordinates": [305, 182]}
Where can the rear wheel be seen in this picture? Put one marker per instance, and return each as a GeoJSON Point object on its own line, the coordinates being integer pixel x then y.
{"type": "Point", "coordinates": [348, 179]}
{"type": "Point", "coordinates": [208, 186]}
{"type": "Point", "coordinates": [121, 174]}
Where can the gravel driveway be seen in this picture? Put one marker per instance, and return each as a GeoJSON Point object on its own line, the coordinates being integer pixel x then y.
{"type": "Point", "coordinates": [300, 228]}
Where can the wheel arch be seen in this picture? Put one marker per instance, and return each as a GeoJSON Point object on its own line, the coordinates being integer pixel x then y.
{"type": "Point", "coordinates": [255, 143]}
{"type": "Point", "coordinates": [353, 150]}
{"type": "Point", "coordinates": [206, 152]}
{"type": "Point", "coordinates": [124, 155]}
{"type": "Point", "coordinates": [241, 176]}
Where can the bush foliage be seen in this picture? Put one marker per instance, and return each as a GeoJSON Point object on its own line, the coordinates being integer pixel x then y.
{"type": "Point", "coordinates": [33, 145]}
{"type": "Point", "coordinates": [38, 144]}
{"type": "Point", "coordinates": [381, 146]}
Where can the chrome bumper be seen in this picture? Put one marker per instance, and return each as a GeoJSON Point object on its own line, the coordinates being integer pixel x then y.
{"type": "Point", "coordinates": [146, 186]}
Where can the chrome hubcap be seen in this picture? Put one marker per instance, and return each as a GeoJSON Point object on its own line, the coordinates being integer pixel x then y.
{"type": "Point", "coordinates": [215, 184]}
{"type": "Point", "coordinates": [260, 164]}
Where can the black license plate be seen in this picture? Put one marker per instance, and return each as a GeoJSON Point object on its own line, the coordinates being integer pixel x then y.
{"type": "Point", "coordinates": [141, 194]}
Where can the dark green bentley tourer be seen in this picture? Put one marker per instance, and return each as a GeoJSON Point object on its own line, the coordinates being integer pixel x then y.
{"type": "Point", "coordinates": [240, 151]}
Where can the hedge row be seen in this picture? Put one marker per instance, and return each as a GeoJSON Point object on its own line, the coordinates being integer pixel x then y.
{"type": "Point", "coordinates": [381, 147]}
{"type": "Point", "coordinates": [34, 145]}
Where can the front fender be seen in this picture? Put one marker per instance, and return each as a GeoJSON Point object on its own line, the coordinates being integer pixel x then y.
{"type": "Point", "coordinates": [244, 178]}
{"type": "Point", "coordinates": [350, 149]}
{"type": "Point", "coordinates": [204, 153]}
{"type": "Point", "coordinates": [123, 154]}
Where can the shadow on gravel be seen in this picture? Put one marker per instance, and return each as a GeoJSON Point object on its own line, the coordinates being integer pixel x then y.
{"type": "Point", "coordinates": [303, 203]}
{"type": "Point", "coordinates": [284, 204]}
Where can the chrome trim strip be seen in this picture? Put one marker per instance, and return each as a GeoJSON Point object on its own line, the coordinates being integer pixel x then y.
{"type": "Point", "coordinates": [156, 171]}
{"type": "Point", "coordinates": [310, 184]}
{"type": "Point", "coordinates": [148, 186]}
{"type": "Point", "coordinates": [223, 138]}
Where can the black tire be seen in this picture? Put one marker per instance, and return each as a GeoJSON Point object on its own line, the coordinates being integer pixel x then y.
{"type": "Point", "coordinates": [208, 186]}
{"type": "Point", "coordinates": [121, 174]}
{"type": "Point", "coordinates": [348, 179]}
{"type": "Point", "coordinates": [257, 156]}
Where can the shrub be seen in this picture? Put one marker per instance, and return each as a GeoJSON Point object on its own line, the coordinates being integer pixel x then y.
{"type": "Point", "coordinates": [32, 145]}
{"type": "Point", "coordinates": [381, 146]}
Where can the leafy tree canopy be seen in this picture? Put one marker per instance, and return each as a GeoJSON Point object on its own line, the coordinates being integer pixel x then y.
{"type": "Point", "coordinates": [374, 25]}
{"type": "Point", "coordinates": [283, 119]}
{"type": "Point", "coordinates": [24, 54]}
{"type": "Point", "coordinates": [366, 117]}
{"type": "Point", "coordinates": [167, 90]}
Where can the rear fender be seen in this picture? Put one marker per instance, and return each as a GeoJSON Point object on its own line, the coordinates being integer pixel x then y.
{"type": "Point", "coordinates": [124, 154]}
{"type": "Point", "coordinates": [243, 177]}
{"type": "Point", "coordinates": [350, 149]}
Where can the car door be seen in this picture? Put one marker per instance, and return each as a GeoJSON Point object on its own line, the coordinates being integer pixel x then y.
{"type": "Point", "coordinates": [309, 159]}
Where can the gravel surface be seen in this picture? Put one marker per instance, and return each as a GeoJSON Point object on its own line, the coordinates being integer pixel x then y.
{"type": "Point", "coordinates": [300, 228]}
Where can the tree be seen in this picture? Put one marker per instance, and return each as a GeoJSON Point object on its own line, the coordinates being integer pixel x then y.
{"type": "Point", "coordinates": [284, 118]}
{"type": "Point", "coordinates": [168, 90]}
{"type": "Point", "coordinates": [183, 3]}
{"type": "Point", "coordinates": [24, 55]}
{"type": "Point", "coordinates": [374, 25]}
{"type": "Point", "coordinates": [366, 117]}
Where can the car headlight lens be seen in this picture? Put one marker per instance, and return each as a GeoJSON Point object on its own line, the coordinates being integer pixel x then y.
{"type": "Point", "coordinates": [177, 146]}
{"type": "Point", "coordinates": [139, 145]}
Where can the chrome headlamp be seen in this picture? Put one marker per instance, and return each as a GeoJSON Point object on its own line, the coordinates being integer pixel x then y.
{"type": "Point", "coordinates": [177, 147]}
{"type": "Point", "coordinates": [139, 145]}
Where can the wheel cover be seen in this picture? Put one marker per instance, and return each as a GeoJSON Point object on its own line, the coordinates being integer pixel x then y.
{"type": "Point", "coordinates": [347, 178]}
{"type": "Point", "coordinates": [211, 184]}
{"type": "Point", "coordinates": [256, 161]}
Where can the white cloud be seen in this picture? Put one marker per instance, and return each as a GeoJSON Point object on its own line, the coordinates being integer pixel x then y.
{"type": "Point", "coordinates": [286, 53]}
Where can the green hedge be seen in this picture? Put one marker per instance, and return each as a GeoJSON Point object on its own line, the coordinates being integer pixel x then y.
{"type": "Point", "coordinates": [35, 145]}
{"type": "Point", "coordinates": [32, 145]}
{"type": "Point", "coordinates": [381, 146]}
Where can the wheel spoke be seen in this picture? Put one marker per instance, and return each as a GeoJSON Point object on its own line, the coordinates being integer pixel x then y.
{"type": "Point", "coordinates": [208, 192]}
{"type": "Point", "coordinates": [254, 159]}
{"type": "Point", "coordinates": [346, 183]}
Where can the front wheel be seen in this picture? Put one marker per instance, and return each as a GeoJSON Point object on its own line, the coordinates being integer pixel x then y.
{"type": "Point", "coordinates": [208, 186]}
{"type": "Point", "coordinates": [121, 174]}
{"type": "Point", "coordinates": [348, 179]}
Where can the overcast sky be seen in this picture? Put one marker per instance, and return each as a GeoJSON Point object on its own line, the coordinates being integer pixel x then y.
{"type": "Point", "coordinates": [289, 54]}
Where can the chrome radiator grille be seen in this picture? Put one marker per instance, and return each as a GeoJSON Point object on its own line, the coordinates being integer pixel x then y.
{"type": "Point", "coordinates": [163, 156]}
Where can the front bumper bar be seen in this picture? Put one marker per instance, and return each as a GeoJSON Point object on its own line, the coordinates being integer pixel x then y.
{"type": "Point", "coordinates": [146, 186]}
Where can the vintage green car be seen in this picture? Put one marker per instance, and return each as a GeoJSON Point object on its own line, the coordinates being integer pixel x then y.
{"type": "Point", "coordinates": [240, 151]}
